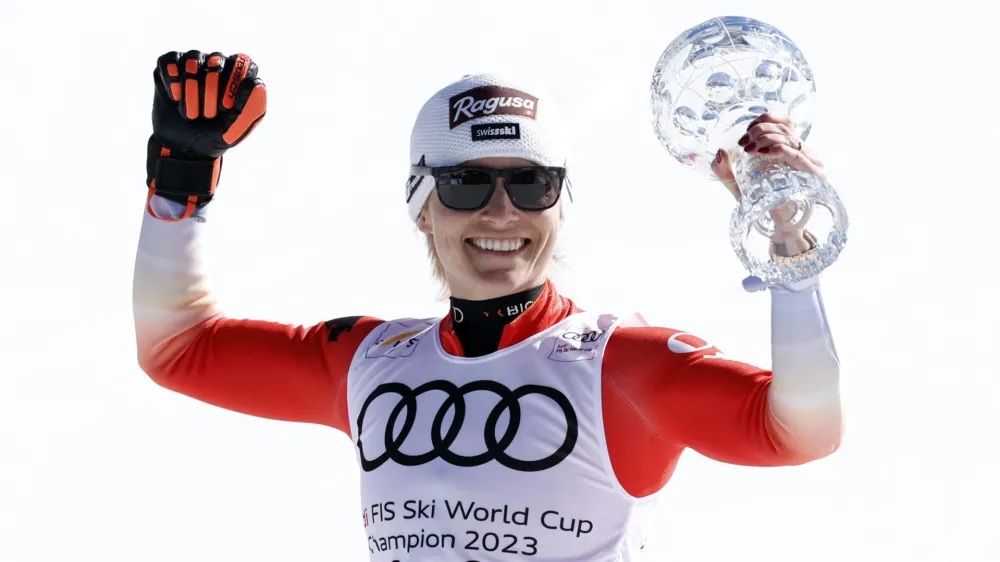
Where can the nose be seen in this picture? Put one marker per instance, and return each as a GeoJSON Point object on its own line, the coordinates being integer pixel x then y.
{"type": "Point", "coordinates": [499, 209]}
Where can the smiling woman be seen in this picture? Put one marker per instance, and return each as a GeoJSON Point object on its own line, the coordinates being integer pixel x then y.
{"type": "Point", "coordinates": [517, 425]}
{"type": "Point", "coordinates": [498, 250]}
{"type": "Point", "coordinates": [492, 227]}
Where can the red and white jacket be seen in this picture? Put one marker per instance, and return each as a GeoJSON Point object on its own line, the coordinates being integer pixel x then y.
{"type": "Point", "coordinates": [656, 391]}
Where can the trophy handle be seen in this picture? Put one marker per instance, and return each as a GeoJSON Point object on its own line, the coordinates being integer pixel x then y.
{"type": "Point", "coordinates": [779, 203]}
{"type": "Point", "coordinates": [779, 223]}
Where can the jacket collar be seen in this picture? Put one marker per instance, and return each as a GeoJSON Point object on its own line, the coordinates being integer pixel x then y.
{"type": "Point", "coordinates": [549, 309]}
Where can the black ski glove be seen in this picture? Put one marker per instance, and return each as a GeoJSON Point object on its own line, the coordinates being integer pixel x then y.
{"type": "Point", "coordinates": [203, 106]}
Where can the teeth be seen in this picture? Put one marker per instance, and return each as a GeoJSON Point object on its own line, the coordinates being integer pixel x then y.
{"type": "Point", "coordinates": [499, 245]}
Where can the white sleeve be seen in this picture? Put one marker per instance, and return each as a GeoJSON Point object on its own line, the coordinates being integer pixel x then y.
{"type": "Point", "coordinates": [804, 397]}
{"type": "Point", "coordinates": [170, 290]}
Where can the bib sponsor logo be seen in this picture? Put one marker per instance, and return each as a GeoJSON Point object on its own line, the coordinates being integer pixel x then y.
{"type": "Point", "coordinates": [398, 339]}
{"type": "Point", "coordinates": [395, 340]}
{"type": "Point", "coordinates": [443, 434]}
{"type": "Point", "coordinates": [489, 100]}
{"type": "Point", "coordinates": [577, 346]}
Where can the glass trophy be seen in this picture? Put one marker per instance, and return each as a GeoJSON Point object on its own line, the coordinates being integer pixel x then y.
{"type": "Point", "coordinates": [709, 83]}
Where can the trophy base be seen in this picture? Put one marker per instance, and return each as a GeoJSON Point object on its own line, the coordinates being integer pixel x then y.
{"type": "Point", "coordinates": [789, 203]}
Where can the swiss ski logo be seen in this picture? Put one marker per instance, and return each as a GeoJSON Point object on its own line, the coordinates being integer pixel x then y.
{"type": "Point", "coordinates": [496, 131]}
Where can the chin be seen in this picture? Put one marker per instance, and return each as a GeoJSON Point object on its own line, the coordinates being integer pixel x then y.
{"type": "Point", "coordinates": [509, 280]}
{"type": "Point", "coordinates": [484, 274]}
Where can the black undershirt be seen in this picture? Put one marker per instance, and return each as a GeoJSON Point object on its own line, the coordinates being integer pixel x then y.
{"type": "Point", "coordinates": [479, 324]}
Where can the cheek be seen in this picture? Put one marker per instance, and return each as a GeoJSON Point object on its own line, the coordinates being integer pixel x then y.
{"type": "Point", "coordinates": [548, 226]}
{"type": "Point", "coordinates": [447, 229]}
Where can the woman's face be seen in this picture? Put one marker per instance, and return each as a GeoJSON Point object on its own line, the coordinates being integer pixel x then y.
{"type": "Point", "coordinates": [496, 250]}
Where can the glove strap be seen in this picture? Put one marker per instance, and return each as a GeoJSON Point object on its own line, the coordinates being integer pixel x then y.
{"type": "Point", "coordinates": [184, 180]}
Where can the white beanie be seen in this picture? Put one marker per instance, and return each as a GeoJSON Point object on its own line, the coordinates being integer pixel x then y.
{"type": "Point", "coordinates": [479, 116]}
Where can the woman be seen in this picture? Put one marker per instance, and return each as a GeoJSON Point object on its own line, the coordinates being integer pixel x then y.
{"type": "Point", "coordinates": [516, 426]}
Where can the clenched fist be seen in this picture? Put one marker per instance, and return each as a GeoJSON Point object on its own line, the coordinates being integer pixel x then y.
{"type": "Point", "coordinates": [203, 106]}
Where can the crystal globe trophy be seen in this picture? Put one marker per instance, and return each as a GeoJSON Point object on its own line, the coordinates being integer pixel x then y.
{"type": "Point", "coordinates": [709, 83]}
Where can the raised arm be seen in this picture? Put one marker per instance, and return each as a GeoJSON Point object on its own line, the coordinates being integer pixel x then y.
{"type": "Point", "coordinates": [184, 341]}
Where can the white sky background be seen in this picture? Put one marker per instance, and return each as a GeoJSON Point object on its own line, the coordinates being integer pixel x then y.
{"type": "Point", "coordinates": [99, 463]}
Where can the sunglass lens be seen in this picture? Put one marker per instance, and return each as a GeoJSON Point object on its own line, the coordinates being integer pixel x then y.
{"type": "Point", "coordinates": [464, 189]}
{"type": "Point", "coordinates": [534, 189]}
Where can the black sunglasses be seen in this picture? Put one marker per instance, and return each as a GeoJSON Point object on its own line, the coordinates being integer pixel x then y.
{"type": "Point", "coordinates": [469, 188]}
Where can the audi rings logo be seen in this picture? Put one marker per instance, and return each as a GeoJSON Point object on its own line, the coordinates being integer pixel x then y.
{"type": "Point", "coordinates": [442, 438]}
{"type": "Point", "coordinates": [586, 337]}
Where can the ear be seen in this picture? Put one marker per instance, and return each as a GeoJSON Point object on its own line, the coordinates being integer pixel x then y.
{"type": "Point", "coordinates": [423, 223]}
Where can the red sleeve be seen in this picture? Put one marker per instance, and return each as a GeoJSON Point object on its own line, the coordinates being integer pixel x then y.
{"type": "Point", "coordinates": [264, 369]}
{"type": "Point", "coordinates": [666, 390]}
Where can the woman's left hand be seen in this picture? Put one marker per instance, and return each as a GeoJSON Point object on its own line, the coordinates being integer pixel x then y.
{"type": "Point", "coordinates": [775, 138]}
